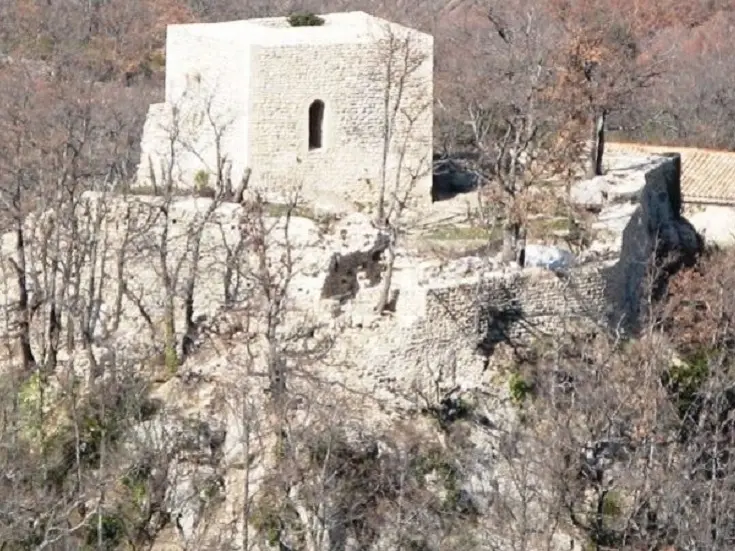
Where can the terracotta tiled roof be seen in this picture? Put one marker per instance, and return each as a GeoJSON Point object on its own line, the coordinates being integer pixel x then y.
{"type": "Point", "coordinates": [708, 176]}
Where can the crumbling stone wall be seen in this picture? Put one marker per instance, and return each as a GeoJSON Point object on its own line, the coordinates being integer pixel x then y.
{"type": "Point", "coordinates": [453, 326]}
{"type": "Point", "coordinates": [517, 306]}
{"type": "Point", "coordinates": [342, 279]}
{"type": "Point", "coordinates": [657, 241]}
{"type": "Point", "coordinates": [452, 342]}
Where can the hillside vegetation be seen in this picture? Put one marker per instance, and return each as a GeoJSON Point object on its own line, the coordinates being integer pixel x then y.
{"type": "Point", "coordinates": [248, 426]}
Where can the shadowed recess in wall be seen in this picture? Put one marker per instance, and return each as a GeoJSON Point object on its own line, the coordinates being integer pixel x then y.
{"type": "Point", "coordinates": [451, 178]}
{"type": "Point", "coordinates": [657, 242]}
{"type": "Point", "coordinates": [497, 321]}
{"type": "Point", "coordinates": [341, 281]}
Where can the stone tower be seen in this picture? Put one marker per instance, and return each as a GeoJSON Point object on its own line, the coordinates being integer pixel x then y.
{"type": "Point", "coordinates": [335, 109]}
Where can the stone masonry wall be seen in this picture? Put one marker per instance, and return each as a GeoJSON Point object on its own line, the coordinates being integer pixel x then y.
{"type": "Point", "coordinates": [447, 324]}
{"type": "Point", "coordinates": [207, 91]}
{"type": "Point", "coordinates": [259, 96]}
{"type": "Point", "coordinates": [453, 326]}
{"type": "Point", "coordinates": [451, 342]}
{"type": "Point", "coordinates": [452, 329]}
{"type": "Point", "coordinates": [519, 304]}
{"type": "Point", "coordinates": [350, 80]}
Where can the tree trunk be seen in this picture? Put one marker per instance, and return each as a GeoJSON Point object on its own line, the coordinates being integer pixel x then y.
{"type": "Point", "coordinates": [24, 309]}
{"type": "Point", "coordinates": [189, 341]}
{"type": "Point", "coordinates": [511, 232]}
{"type": "Point", "coordinates": [384, 299]}
{"type": "Point", "coordinates": [276, 371]}
{"type": "Point", "coordinates": [598, 145]}
{"type": "Point", "coordinates": [242, 187]}
{"type": "Point", "coordinates": [521, 247]}
{"type": "Point", "coordinates": [170, 354]}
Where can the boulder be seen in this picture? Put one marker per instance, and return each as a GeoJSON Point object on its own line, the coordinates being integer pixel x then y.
{"type": "Point", "coordinates": [551, 258]}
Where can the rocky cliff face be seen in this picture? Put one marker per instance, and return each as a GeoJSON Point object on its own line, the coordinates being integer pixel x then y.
{"type": "Point", "coordinates": [656, 242]}
{"type": "Point", "coordinates": [407, 400]}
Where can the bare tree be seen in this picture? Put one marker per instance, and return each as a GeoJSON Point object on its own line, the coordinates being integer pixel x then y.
{"type": "Point", "coordinates": [343, 483]}
{"type": "Point", "coordinates": [267, 340]}
{"type": "Point", "coordinates": [401, 60]}
{"type": "Point", "coordinates": [605, 67]}
{"type": "Point", "coordinates": [691, 103]}
{"type": "Point", "coordinates": [179, 252]}
{"type": "Point", "coordinates": [401, 67]}
{"type": "Point", "coordinates": [514, 127]}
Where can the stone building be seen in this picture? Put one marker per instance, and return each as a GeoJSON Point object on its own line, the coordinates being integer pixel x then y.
{"type": "Point", "coordinates": [317, 106]}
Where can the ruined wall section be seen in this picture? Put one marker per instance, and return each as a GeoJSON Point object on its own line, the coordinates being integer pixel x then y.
{"type": "Point", "coordinates": [521, 305]}
{"type": "Point", "coordinates": [453, 341]}
{"type": "Point", "coordinates": [525, 303]}
{"type": "Point", "coordinates": [436, 345]}
{"type": "Point", "coordinates": [656, 235]}
{"type": "Point", "coordinates": [445, 331]}
{"type": "Point", "coordinates": [451, 329]}
{"type": "Point", "coordinates": [379, 354]}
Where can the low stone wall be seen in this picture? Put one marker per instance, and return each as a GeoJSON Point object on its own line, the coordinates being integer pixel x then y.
{"type": "Point", "coordinates": [517, 305]}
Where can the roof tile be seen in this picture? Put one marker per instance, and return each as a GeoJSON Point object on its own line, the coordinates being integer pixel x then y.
{"type": "Point", "coordinates": [708, 176]}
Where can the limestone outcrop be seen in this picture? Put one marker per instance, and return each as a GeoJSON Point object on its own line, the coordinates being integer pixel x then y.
{"type": "Point", "coordinates": [435, 352]}
{"type": "Point", "coordinates": [657, 242]}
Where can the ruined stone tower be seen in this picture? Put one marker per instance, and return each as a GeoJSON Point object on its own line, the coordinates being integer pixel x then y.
{"type": "Point", "coordinates": [310, 106]}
